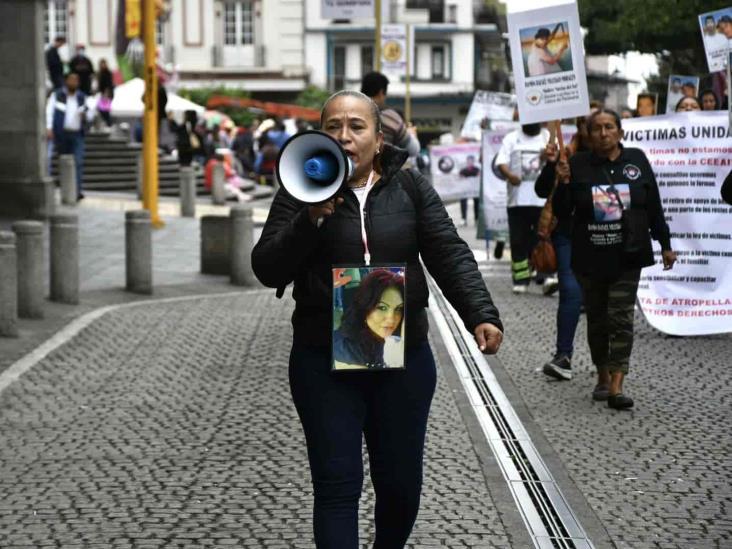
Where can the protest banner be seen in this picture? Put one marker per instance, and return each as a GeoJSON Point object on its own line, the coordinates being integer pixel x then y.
{"type": "Point", "coordinates": [690, 154]}
{"type": "Point", "coordinates": [716, 30]}
{"type": "Point", "coordinates": [490, 105]}
{"type": "Point", "coordinates": [347, 9]}
{"type": "Point", "coordinates": [455, 170]}
{"type": "Point", "coordinates": [679, 87]}
{"type": "Point", "coordinates": [548, 63]}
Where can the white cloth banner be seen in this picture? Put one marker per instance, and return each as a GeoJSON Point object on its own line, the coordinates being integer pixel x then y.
{"type": "Point", "coordinates": [455, 170]}
{"type": "Point", "coordinates": [548, 63]}
{"type": "Point", "coordinates": [691, 154]}
{"type": "Point", "coordinates": [347, 9]}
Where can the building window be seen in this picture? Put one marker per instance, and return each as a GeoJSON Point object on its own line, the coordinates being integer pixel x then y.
{"type": "Point", "coordinates": [339, 67]}
{"type": "Point", "coordinates": [159, 32]}
{"type": "Point", "coordinates": [438, 62]}
{"type": "Point", "coordinates": [436, 8]}
{"type": "Point", "coordinates": [452, 13]}
{"type": "Point", "coordinates": [238, 23]}
{"type": "Point", "coordinates": [367, 59]}
{"type": "Point", "coordinates": [56, 20]}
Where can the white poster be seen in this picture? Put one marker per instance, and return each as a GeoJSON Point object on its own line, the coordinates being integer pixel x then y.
{"type": "Point", "coordinates": [548, 63]}
{"type": "Point", "coordinates": [347, 9]}
{"type": "Point", "coordinates": [394, 49]}
{"type": "Point", "coordinates": [716, 30]}
{"type": "Point", "coordinates": [455, 170]}
{"type": "Point", "coordinates": [691, 154]}
{"type": "Point", "coordinates": [679, 87]}
{"type": "Point", "coordinates": [490, 105]}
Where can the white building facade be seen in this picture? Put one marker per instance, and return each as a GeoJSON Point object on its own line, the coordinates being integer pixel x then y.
{"type": "Point", "coordinates": [275, 48]}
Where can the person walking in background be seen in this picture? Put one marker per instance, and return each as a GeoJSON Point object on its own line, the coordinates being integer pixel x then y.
{"type": "Point", "coordinates": [611, 197]}
{"type": "Point", "coordinates": [404, 220]}
{"type": "Point", "coordinates": [520, 163]}
{"type": "Point", "coordinates": [105, 89]}
{"type": "Point", "coordinates": [396, 132]}
{"type": "Point", "coordinates": [243, 148]}
{"type": "Point", "coordinates": [82, 65]}
{"type": "Point", "coordinates": [54, 64]}
{"type": "Point", "coordinates": [66, 115]}
{"type": "Point", "coordinates": [570, 293]}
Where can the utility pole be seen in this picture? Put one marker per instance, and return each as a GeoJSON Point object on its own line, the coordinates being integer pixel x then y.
{"type": "Point", "coordinates": [150, 119]}
{"type": "Point", "coordinates": [377, 34]}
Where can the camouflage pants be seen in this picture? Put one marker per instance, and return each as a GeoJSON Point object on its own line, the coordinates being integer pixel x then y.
{"type": "Point", "coordinates": [609, 307]}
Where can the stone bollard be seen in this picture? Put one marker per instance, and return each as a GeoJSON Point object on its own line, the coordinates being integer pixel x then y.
{"type": "Point", "coordinates": [8, 286]}
{"type": "Point", "coordinates": [218, 187]}
{"type": "Point", "coordinates": [64, 247]}
{"type": "Point", "coordinates": [241, 230]}
{"type": "Point", "coordinates": [138, 252]}
{"type": "Point", "coordinates": [187, 192]}
{"type": "Point", "coordinates": [140, 175]}
{"type": "Point", "coordinates": [29, 246]}
{"type": "Point", "coordinates": [67, 178]}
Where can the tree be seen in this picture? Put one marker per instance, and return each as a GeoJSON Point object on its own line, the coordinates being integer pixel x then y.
{"type": "Point", "coordinates": [312, 97]}
{"type": "Point", "coordinates": [667, 28]}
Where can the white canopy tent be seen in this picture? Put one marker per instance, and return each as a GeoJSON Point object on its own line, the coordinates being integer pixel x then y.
{"type": "Point", "coordinates": [127, 102]}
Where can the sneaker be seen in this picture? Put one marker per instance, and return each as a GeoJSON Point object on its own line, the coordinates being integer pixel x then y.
{"type": "Point", "coordinates": [619, 402]}
{"type": "Point", "coordinates": [559, 367]}
{"type": "Point", "coordinates": [550, 286]}
{"type": "Point", "coordinates": [498, 251]}
{"type": "Point", "coordinates": [520, 288]}
{"type": "Point", "coordinates": [600, 392]}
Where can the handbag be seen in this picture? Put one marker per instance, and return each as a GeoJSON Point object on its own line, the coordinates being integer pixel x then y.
{"type": "Point", "coordinates": [634, 223]}
{"type": "Point", "coordinates": [543, 256]}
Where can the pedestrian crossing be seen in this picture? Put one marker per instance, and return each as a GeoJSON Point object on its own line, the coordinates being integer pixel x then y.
{"type": "Point", "coordinates": [490, 267]}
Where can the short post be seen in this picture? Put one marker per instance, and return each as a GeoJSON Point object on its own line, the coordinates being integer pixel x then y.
{"type": "Point", "coordinates": [138, 252]}
{"type": "Point", "coordinates": [64, 248]}
{"type": "Point", "coordinates": [241, 244]}
{"type": "Point", "coordinates": [67, 178]}
{"type": "Point", "coordinates": [8, 286]}
{"type": "Point", "coordinates": [187, 192]}
{"type": "Point", "coordinates": [139, 175]}
{"type": "Point", "coordinates": [29, 244]}
{"type": "Point", "coordinates": [218, 187]}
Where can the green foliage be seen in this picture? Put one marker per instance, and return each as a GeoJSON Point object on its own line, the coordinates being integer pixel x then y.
{"type": "Point", "coordinates": [312, 97]}
{"type": "Point", "coordinates": [241, 117]}
{"type": "Point", "coordinates": [667, 28]}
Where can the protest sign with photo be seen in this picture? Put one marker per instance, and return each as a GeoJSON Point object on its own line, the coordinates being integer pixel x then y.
{"type": "Point", "coordinates": [548, 63]}
{"type": "Point", "coordinates": [691, 154]}
{"type": "Point", "coordinates": [394, 45]}
{"type": "Point", "coordinates": [679, 87]}
{"type": "Point", "coordinates": [455, 170]}
{"type": "Point", "coordinates": [490, 105]}
{"type": "Point", "coordinates": [716, 30]}
{"type": "Point", "coordinates": [369, 317]}
{"type": "Point", "coordinates": [347, 9]}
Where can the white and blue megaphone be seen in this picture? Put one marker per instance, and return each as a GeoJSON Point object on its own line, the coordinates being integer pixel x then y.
{"type": "Point", "coordinates": [312, 167]}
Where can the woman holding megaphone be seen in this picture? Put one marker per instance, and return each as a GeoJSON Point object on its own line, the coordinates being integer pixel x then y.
{"type": "Point", "coordinates": [381, 215]}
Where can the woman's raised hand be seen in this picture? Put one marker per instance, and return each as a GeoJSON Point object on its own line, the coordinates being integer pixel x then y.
{"type": "Point", "coordinates": [563, 170]}
{"type": "Point", "coordinates": [323, 209]}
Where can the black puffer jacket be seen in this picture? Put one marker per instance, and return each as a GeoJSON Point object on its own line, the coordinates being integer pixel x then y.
{"type": "Point", "coordinates": [399, 229]}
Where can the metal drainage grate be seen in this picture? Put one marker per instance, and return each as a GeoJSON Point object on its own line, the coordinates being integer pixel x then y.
{"type": "Point", "coordinates": [548, 517]}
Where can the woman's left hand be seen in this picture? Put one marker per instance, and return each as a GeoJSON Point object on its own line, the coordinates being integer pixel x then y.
{"type": "Point", "coordinates": [488, 338]}
{"type": "Point", "coordinates": [669, 258]}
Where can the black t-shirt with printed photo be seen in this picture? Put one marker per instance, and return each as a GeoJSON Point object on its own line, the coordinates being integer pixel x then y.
{"type": "Point", "coordinates": [595, 198]}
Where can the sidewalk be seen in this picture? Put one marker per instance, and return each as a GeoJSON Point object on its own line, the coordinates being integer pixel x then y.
{"type": "Point", "coordinates": [168, 423]}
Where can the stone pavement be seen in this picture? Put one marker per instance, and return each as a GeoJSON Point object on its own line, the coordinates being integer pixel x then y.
{"type": "Point", "coordinates": [169, 423]}
{"type": "Point", "coordinates": [659, 476]}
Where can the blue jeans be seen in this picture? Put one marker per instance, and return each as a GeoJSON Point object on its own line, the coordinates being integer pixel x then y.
{"type": "Point", "coordinates": [336, 410]}
{"type": "Point", "coordinates": [570, 295]}
{"type": "Point", "coordinates": [73, 143]}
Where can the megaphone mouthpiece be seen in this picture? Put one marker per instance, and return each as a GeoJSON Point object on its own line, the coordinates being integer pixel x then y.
{"type": "Point", "coordinates": [322, 167]}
